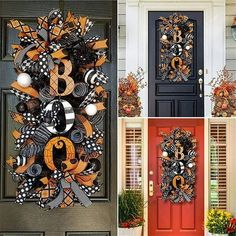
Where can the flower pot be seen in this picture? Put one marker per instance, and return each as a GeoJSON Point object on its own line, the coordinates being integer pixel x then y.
{"type": "Point", "coordinates": [136, 231]}
{"type": "Point", "coordinates": [219, 234]}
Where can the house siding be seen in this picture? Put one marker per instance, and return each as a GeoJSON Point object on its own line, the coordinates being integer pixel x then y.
{"type": "Point", "coordinates": [121, 37]}
{"type": "Point", "coordinates": [230, 42]}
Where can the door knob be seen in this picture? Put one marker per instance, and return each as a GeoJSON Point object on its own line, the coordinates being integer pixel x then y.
{"type": "Point", "coordinates": [200, 82]}
{"type": "Point", "coordinates": [150, 188]}
{"type": "Point", "coordinates": [200, 72]}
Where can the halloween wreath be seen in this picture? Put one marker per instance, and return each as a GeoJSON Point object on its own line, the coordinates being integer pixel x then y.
{"type": "Point", "coordinates": [223, 94]}
{"type": "Point", "coordinates": [178, 166]}
{"type": "Point", "coordinates": [176, 47]}
{"type": "Point", "coordinates": [61, 106]}
{"type": "Point", "coordinates": [129, 88]}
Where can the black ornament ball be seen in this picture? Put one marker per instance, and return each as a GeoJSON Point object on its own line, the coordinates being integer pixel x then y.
{"type": "Point", "coordinates": [34, 106]}
{"type": "Point", "coordinates": [21, 107]}
{"type": "Point", "coordinates": [94, 164]}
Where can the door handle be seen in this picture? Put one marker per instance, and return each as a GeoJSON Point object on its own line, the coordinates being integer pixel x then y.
{"type": "Point", "coordinates": [151, 188]}
{"type": "Point", "coordinates": [200, 82]}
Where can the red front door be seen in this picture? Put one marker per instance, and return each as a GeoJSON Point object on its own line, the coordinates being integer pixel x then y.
{"type": "Point", "coordinates": [179, 219]}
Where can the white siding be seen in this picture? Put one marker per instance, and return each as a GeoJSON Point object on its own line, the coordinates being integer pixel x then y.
{"type": "Point", "coordinates": [121, 37]}
{"type": "Point", "coordinates": [230, 42]}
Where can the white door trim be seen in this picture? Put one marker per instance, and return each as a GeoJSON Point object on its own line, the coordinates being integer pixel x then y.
{"type": "Point", "coordinates": [137, 37]}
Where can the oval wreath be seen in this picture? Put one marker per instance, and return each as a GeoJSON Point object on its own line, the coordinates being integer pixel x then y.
{"type": "Point", "coordinates": [178, 166]}
{"type": "Point", "coordinates": [176, 47]}
{"type": "Point", "coordinates": [61, 106]}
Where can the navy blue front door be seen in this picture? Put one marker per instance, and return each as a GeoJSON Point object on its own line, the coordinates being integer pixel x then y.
{"type": "Point", "coordinates": [168, 98]}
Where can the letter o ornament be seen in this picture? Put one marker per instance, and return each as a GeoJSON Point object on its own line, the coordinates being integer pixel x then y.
{"type": "Point", "coordinates": [175, 62]}
{"type": "Point", "coordinates": [58, 142]}
{"type": "Point", "coordinates": [177, 178]}
{"type": "Point", "coordinates": [69, 116]}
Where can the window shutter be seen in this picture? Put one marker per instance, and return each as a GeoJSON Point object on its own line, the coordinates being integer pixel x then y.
{"type": "Point", "coordinates": [133, 154]}
{"type": "Point", "coordinates": [218, 174]}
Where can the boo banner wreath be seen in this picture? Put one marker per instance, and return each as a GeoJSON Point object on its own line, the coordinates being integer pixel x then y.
{"type": "Point", "coordinates": [176, 47]}
{"type": "Point", "coordinates": [61, 105]}
{"type": "Point", "coordinates": [178, 166]}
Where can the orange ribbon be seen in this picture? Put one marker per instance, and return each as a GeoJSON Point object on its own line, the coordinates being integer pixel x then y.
{"type": "Point", "coordinates": [88, 127]}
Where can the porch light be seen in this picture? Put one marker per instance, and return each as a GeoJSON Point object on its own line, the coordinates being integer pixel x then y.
{"type": "Point", "coordinates": [233, 29]}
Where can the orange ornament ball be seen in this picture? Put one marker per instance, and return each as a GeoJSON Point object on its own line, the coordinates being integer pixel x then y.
{"type": "Point", "coordinates": [224, 106]}
{"type": "Point", "coordinates": [128, 110]}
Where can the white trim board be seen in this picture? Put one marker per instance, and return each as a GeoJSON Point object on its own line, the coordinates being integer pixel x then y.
{"type": "Point", "coordinates": [137, 38]}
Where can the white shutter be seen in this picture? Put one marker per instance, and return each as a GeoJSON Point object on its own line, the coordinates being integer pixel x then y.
{"type": "Point", "coordinates": [133, 158]}
{"type": "Point", "coordinates": [218, 167]}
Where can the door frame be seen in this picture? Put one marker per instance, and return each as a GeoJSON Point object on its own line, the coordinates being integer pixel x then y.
{"type": "Point", "coordinates": [137, 28]}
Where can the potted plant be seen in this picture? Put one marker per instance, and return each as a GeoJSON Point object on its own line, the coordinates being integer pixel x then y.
{"type": "Point", "coordinates": [232, 227]}
{"type": "Point", "coordinates": [131, 206]}
{"type": "Point", "coordinates": [220, 222]}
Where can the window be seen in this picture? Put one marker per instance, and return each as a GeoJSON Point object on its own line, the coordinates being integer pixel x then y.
{"type": "Point", "coordinates": [133, 156]}
{"type": "Point", "coordinates": [218, 174]}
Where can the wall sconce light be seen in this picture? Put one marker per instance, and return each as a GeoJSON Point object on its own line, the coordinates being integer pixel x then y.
{"type": "Point", "coordinates": [233, 29]}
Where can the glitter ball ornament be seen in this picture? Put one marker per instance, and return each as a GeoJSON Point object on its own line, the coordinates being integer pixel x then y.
{"type": "Point", "coordinates": [24, 80]}
{"type": "Point", "coordinates": [91, 109]}
{"type": "Point", "coordinates": [165, 154]}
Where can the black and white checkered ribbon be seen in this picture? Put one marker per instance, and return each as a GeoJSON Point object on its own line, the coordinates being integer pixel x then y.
{"type": "Point", "coordinates": [88, 99]}
{"type": "Point", "coordinates": [20, 95]}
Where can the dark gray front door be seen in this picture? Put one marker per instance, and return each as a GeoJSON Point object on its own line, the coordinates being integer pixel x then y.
{"type": "Point", "coordinates": [169, 98]}
{"type": "Point", "coordinates": [29, 220]}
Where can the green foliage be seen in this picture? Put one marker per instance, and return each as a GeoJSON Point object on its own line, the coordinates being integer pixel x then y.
{"type": "Point", "coordinates": [131, 206]}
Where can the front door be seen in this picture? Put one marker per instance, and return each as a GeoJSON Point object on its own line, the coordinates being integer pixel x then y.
{"type": "Point", "coordinates": [175, 64]}
{"type": "Point", "coordinates": [164, 217]}
{"type": "Point", "coordinates": [100, 218]}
